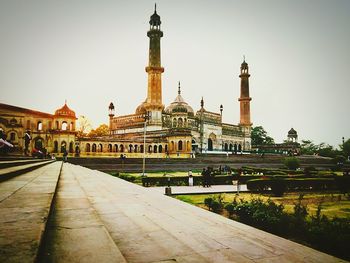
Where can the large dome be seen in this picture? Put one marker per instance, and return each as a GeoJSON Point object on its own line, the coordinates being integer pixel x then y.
{"type": "Point", "coordinates": [179, 105]}
{"type": "Point", "coordinates": [65, 111]}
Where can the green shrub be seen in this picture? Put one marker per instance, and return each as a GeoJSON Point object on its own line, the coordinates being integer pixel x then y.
{"type": "Point", "coordinates": [291, 163]}
{"type": "Point", "coordinates": [278, 186]}
{"type": "Point", "coordinates": [230, 208]}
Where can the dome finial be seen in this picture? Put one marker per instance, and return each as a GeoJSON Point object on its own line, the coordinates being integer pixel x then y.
{"type": "Point", "coordinates": [202, 103]}
{"type": "Point", "coordinates": [179, 89]}
{"type": "Point", "coordinates": [243, 58]}
{"type": "Point", "coordinates": [65, 101]}
{"type": "Point", "coordinates": [155, 7]}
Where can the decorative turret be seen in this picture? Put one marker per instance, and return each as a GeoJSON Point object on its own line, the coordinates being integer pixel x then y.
{"type": "Point", "coordinates": [244, 98]}
{"type": "Point", "coordinates": [292, 135]}
{"type": "Point", "coordinates": [111, 110]}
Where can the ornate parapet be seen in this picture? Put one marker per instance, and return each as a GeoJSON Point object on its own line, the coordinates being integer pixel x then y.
{"type": "Point", "coordinates": [232, 130]}
{"type": "Point", "coordinates": [127, 121]}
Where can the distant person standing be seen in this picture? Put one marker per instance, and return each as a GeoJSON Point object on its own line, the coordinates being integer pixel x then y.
{"type": "Point", "coordinates": [27, 138]}
{"type": "Point", "coordinates": [204, 172]}
{"type": "Point", "coordinates": [65, 154]}
{"type": "Point", "coordinates": [190, 178]}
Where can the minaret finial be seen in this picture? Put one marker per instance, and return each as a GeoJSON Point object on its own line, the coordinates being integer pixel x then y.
{"type": "Point", "coordinates": [179, 89]}
{"type": "Point", "coordinates": [155, 7]}
{"type": "Point", "coordinates": [202, 103]}
{"type": "Point", "coordinates": [65, 101]}
{"type": "Point", "coordinates": [243, 57]}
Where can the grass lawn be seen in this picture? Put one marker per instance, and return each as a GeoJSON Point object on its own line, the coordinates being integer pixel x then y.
{"type": "Point", "coordinates": [333, 205]}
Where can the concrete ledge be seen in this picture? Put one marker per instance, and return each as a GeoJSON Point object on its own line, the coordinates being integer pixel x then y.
{"type": "Point", "coordinates": [15, 169]}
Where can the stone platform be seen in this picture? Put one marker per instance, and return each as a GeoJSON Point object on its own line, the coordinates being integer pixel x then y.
{"type": "Point", "coordinates": [101, 218]}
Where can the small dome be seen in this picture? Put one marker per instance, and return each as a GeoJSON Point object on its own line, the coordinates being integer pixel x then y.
{"type": "Point", "coordinates": [155, 18]}
{"type": "Point", "coordinates": [179, 105]}
{"type": "Point", "coordinates": [141, 109]}
{"type": "Point", "coordinates": [65, 111]}
{"type": "Point", "coordinates": [292, 132]}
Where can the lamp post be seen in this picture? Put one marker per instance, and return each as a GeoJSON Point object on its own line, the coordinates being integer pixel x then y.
{"type": "Point", "coordinates": [144, 143]}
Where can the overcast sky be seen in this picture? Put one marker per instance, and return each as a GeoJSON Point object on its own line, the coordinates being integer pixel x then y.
{"type": "Point", "coordinates": [95, 52]}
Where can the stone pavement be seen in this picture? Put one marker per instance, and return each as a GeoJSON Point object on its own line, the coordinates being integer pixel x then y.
{"type": "Point", "coordinates": [214, 189]}
{"type": "Point", "coordinates": [100, 218]}
{"type": "Point", "coordinates": [25, 202]}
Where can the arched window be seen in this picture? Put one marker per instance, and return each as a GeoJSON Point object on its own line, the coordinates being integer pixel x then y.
{"type": "Point", "coordinates": [87, 147]}
{"type": "Point", "coordinates": [239, 147]}
{"type": "Point", "coordinates": [116, 148]}
{"type": "Point", "coordinates": [135, 148]}
{"type": "Point", "coordinates": [121, 148]}
{"type": "Point", "coordinates": [180, 146]}
{"type": "Point", "coordinates": [71, 147]}
{"type": "Point", "coordinates": [180, 122]}
{"type": "Point", "coordinates": [160, 148]}
{"type": "Point", "coordinates": [55, 146]}
{"type": "Point", "coordinates": [63, 146]}
{"type": "Point", "coordinates": [39, 126]}
{"type": "Point", "coordinates": [172, 146]}
{"type": "Point", "coordinates": [166, 148]}
{"type": "Point", "coordinates": [57, 125]}
{"type": "Point", "coordinates": [141, 148]}
{"type": "Point", "coordinates": [100, 148]}
{"type": "Point", "coordinates": [110, 147]}
{"type": "Point", "coordinates": [64, 126]}
{"type": "Point", "coordinates": [226, 147]}
{"type": "Point", "coordinates": [150, 149]}
{"type": "Point", "coordinates": [155, 148]}
{"type": "Point", "coordinates": [235, 147]}
{"type": "Point", "coordinates": [231, 146]}
{"type": "Point", "coordinates": [93, 147]}
{"type": "Point", "coordinates": [130, 148]}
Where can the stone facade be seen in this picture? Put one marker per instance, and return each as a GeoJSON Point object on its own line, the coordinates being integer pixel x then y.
{"type": "Point", "coordinates": [53, 132]}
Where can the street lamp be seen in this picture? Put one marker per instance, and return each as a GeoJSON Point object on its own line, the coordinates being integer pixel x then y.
{"type": "Point", "coordinates": [146, 117]}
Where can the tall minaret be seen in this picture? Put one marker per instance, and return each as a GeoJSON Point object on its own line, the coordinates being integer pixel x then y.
{"type": "Point", "coordinates": [244, 99]}
{"type": "Point", "coordinates": [153, 103]}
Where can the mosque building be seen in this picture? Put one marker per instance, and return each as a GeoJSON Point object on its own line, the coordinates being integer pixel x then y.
{"type": "Point", "coordinates": [153, 130]}
{"type": "Point", "coordinates": [176, 130]}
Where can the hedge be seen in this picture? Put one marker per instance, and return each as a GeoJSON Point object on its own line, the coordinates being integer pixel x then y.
{"type": "Point", "coordinates": [280, 185]}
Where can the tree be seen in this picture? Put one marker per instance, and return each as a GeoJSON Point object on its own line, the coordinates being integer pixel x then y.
{"type": "Point", "coordinates": [84, 126]}
{"type": "Point", "coordinates": [322, 149]}
{"type": "Point", "coordinates": [101, 130]}
{"type": "Point", "coordinates": [259, 136]}
{"type": "Point", "coordinates": [346, 148]}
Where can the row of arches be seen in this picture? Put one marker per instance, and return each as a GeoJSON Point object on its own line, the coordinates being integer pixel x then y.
{"type": "Point", "coordinates": [63, 147]}
{"type": "Point", "coordinates": [64, 125]}
{"type": "Point", "coordinates": [180, 146]}
{"type": "Point", "coordinates": [136, 148]}
{"type": "Point", "coordinates": [179, 122]}
{"type": "Point", "coordinates": [232, 147]}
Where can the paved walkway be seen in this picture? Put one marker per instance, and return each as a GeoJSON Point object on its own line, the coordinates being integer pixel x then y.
{"type": "Point", "coordinates": [214, 189]}
{"type": "Point", "coordinates": [100, 218]}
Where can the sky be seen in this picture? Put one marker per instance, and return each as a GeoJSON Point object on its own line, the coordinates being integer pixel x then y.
{"type": "Point", "coordinates": [91, 53]}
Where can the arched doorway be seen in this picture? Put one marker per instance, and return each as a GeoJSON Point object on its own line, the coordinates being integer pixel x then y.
{"type": "Point", "coordinates": [39, 144]}
{"type": "Point", "coordinates": [63, 146]}
{"type": "Point", "coordinates": [55, 147]}
{"type": "Point", "coordinates": [210, 144]}
{"type": "Point", "coordinates": [226, 147]}
{"type": "Point", "coordinates": [71, 147]}
{"type": "Point", "coordinates": [239, 147]}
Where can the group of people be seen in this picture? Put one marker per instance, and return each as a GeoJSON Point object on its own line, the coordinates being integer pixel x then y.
{"type": "Point", "coordinates": [207, 175]}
